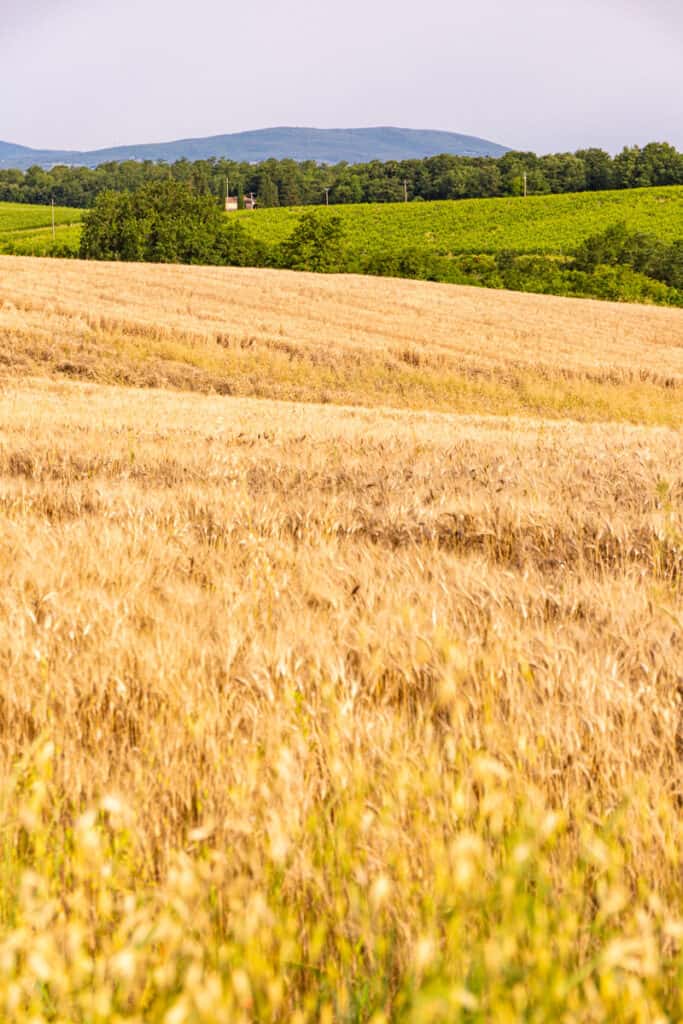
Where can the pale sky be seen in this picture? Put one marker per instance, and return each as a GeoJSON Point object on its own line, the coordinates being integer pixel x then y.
{"type": "Point", "coordinates": [547, 75]}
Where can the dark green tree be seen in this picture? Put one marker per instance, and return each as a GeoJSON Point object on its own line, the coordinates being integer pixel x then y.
{"type": "Point", "coordinates": [114, 229]}
{"type": "Point", "coordinates": [267, 194]}
{"type": "Point", "coordinates": [598, 168]}
{"type": "Point", "coordinates": [315, 244]}
{"type": "Point", "coordinates": [160, 223]}
{"type": "Point", "coordinates": [659, 164]}
{"type": "Point", "coordinates": [625, 168]}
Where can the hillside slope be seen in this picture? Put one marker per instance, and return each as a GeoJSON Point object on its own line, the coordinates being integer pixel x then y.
{"type": "Point", "coordinates": [324, 145]}
{"type": "Point", "coordinates": [345, 339]}
{"type": "Point", "coordinates": [27, 229]}
{"type": "Point", "coordinates": [537, 224]}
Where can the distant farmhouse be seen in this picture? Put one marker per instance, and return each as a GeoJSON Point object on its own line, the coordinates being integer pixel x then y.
{"type": "Point", "coordinates": [232, 202]}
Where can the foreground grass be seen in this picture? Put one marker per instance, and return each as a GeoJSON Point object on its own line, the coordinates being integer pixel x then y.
{"type": "Point", "coordinates": [336, 713]}
{"type": "Point", "coordinates": [318, 714]}
{"type": "Point", "coordinates": [344, 340]}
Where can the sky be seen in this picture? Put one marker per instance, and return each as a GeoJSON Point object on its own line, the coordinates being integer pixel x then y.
{"type": "Point", "coordinates": [544, 75]}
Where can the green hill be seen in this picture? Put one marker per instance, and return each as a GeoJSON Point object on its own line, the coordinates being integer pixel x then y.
{"type": "Point", "coordinates": [539, 224]}
{"type": "Point", "coordinates": [521, 244]}
{"type": "Point", "coordinates": [27, 230]}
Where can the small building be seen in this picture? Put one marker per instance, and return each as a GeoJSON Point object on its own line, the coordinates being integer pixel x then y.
{"type": "Point", "coordinates": [232, 203]}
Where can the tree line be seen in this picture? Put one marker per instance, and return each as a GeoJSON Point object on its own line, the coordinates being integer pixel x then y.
{"type": "Point", "coordinates": [288, 183]}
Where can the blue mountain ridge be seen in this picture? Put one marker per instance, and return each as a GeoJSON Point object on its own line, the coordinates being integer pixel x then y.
{"type": "Point", "coordinates": [323, 145]}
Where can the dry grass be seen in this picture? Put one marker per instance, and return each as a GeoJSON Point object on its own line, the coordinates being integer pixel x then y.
{"type": "Point", "coordinates": [175, 546]}
{"type": "Point", "coordinates": [380, 712]}
{"type": "Point", "coordinates": [347, 340]}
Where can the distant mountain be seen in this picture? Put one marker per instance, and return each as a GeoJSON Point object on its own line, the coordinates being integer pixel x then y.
{"type": "Point", "coordinates": [324, 145]}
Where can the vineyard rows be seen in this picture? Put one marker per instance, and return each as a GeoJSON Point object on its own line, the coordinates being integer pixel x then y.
{"type": "Point", "coordinates": [539, 224]}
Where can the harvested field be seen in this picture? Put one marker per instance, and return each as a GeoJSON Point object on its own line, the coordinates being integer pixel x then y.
{"type": "Point", "coordinates": [312, 712]}
{"type": "Point", "coordinates": [346, 340]}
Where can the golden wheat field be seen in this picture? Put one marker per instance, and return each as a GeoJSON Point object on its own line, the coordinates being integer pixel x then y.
{"type": "Point", "coordinates": [359, 702]}
{"type": "Point", "coordinates": [346, 340]}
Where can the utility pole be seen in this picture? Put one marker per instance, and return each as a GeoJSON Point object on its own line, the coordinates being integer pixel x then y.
{"type": "Point", "coordinates": [405, 190]}
{"type": "Point", "coordinates": [327, 196]}
{"type": "Point", "coordinates": [53, 220]}
{"type": "Point", "coordinates": [525, 185]}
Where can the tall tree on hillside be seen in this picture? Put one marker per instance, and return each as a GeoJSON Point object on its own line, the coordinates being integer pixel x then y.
{"type": "Point", "coordinates": [267, 194]}
{"type": "Point", "coordinates": [315, 244]}
{"type": "Point", "coordinates": [659, 164]}
{"type": "Point", "coordinates": [564, 172]}
{"type": "Point", "coordinates": [597, 168]}
{"type": "Point", "coordinates": [161, 223]}
{"type": "Point", "coordinates": [625, 167]}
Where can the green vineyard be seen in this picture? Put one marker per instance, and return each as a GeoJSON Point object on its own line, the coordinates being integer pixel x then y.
{"type": "Point", "coordinates": [27, 230]}
{"type": "Point", "coordinates": [538, 224]}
